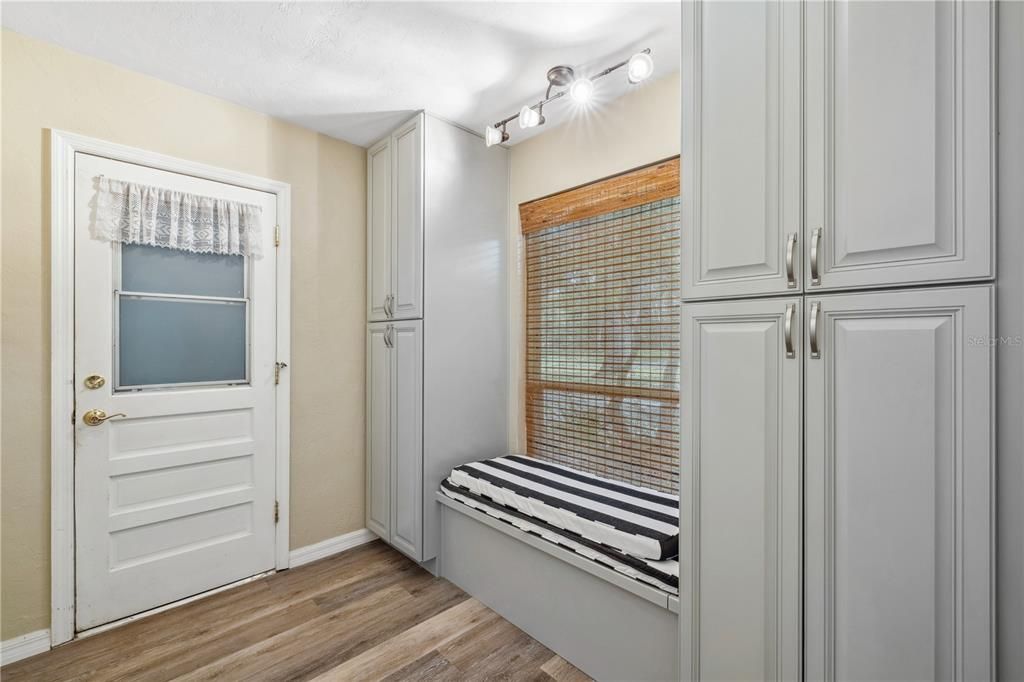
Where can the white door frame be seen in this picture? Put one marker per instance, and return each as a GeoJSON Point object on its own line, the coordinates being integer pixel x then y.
{"type": "Point", "coordinates": [63, 146]}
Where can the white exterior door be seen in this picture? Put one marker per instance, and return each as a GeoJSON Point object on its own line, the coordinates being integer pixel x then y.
{"type": "Point", "coordinates": [900, 143]}
{"type": "Point", "coordinates": [740, 526]}
{"type": "Point", "coordinates": [899, 465]}
{"type": "Point", "coordinates": [174, 494]}
{"type": "Point", "coordinates": [741, 148]}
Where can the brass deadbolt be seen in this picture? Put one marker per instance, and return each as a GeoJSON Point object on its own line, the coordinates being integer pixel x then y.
{"type": "Point", "coordinates": [94, 381]}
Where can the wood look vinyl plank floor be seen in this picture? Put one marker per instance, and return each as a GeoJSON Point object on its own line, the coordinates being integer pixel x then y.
{"type": "Point", "coordinates": [366, 614]}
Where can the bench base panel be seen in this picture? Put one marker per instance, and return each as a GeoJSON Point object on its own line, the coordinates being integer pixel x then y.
{"type": "Point", "coordinates": [604, 630]}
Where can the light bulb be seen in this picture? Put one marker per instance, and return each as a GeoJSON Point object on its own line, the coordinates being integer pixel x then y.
{"type": "Point", "coordinates": [528, 118]}
{"type": "Point", "coordinates": [581, 90]}
{"type": "Point", "coordinates": [640, 67]}
{"type": "Point", "coordinates": [493, 136]}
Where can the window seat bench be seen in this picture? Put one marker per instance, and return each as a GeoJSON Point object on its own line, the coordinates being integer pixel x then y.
{"type": "Point", "coordinates": [609, 625]}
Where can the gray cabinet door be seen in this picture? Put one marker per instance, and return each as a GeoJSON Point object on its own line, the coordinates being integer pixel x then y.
{"type": "Point", "coordinates": [741, 148]}
{"type": "Point", "coordinates": [898, 486]}
{"type": "Point", "coordinates": [378, 430]}
{"type": "Point", "coordinates": [407, 220]}
{"type": "Point", "coordinates": [378, 230]}
{"type": "Point", "coordinates": [407, 438]}
{"type": "Point", "coordinates": [899, 143]}
{"type": "Point", "coordinates": [739, 543]}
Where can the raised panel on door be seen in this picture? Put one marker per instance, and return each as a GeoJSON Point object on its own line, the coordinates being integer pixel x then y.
{"type": "Point", "coordinates": [740, 529]}
{"type": "Point", "coordinates": [900, 143]}
{"type": "Point", "coordinates": [741, 148]}
{"type": "Point", "coordinates": [378, 429]}
{"type": "Point", "coordinates": [378, 230]}
{"type": "Point", "coordinates": [407, 436]}
{"type": "Point", "coordinates": [898, 486]}
{"type": "Point", "coordinates": [407, 226]}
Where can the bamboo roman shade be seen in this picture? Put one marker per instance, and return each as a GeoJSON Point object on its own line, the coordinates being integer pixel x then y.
{"type": "Point", "coordinates": [602, 326]}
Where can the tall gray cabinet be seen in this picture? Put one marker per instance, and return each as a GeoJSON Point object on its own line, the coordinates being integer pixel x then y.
{"type": "Point", "coordinates": [838, 241]}
{"type": "Point", "coordinates": [437, 330]}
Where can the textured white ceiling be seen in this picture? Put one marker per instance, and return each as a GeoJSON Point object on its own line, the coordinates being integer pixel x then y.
{"type": "Point", "coordinates": [354, 70]}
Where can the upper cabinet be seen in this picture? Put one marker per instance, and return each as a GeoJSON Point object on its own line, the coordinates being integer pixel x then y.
{"type": "Point", "coordinates": [394, 217]}
{"type": "Point", "coordinates": [834, 145]}
{"type": "Point", "coordinates": [378, 230]}
{"type": "Point", "coordinates": [900, 143]}
{"type": "Point", "coordinates": [741, 148]}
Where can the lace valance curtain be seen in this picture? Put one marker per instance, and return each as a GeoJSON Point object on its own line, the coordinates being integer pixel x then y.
{"type": "Point", "coordinates": [132, 213]}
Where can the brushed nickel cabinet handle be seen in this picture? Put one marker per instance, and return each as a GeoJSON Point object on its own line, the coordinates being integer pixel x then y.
{"type": "Point", "coordinates": [790, 312]}
{"type": "Point", "coordinates": [815, 341]}
{"type": "Point", "coordinates": [815, 246]}
{"type": "Point", "coordinates": [387, 306]}
{"type": "Point", "coordinates": [790, 260]}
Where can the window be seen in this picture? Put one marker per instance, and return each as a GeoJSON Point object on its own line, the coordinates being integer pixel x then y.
{"type": "Point", "coordinates": [181, 319]}
{"type": "Point", "coordinates": [602, 327]}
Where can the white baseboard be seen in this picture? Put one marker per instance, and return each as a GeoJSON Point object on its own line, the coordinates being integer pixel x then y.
{"type": "Point", "coordinates": [329, 547]}
{"type": "Point", "coordinates": [26, 645]}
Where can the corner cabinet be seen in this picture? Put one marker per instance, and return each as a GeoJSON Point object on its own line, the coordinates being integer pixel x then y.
{"type": "Point", "coordinates": [836, 145]}
{"type": "Point", "coordinates": [437, 330]}
{"type": "Point", "coordinates": [394, 243]}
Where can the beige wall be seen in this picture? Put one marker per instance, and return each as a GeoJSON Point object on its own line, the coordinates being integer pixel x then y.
{"type": "Point", "coordinates": [47, 87]}
{"type": "Point", "coordinates": [634, 130]}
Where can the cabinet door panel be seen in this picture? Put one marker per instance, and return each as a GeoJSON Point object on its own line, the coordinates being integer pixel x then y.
{"type": "Point", "coordinates": [740, 500]}
{"type": "Point", "coordinates": [898, 487]}
{"type": "Point", "coordinates": [378, 229]}
{"type": "Point", "coordinates": [378, 431]}
{"type": "Point", "coordinates": [900, 173]}
{"type": "Point", "coordinates": [407, 258]}
{"type": "Point", "coordinates": [407, 436]}
{"type": "Point", "coordinates": [741, 148]}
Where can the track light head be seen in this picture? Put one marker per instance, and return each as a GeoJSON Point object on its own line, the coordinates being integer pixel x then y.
{"type": "Point", "coordinates": [493, 136]}
{"type": "Point", "coordinates": [640, 67]}
{"type": "Point", "coordinates": [529, 118]}
{"type": "Point", "coordinates": [581, 90]}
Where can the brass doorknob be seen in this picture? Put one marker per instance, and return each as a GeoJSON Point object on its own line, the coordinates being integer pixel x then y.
{"type": "Point", "coordinates": [97, 417]}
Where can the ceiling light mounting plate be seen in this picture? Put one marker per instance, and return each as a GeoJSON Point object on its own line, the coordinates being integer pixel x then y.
{"type": "Point", "coordinates": [561, 75]}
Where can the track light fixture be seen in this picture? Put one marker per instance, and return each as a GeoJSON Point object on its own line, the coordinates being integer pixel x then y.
{"type": "Point", "coordinates": [639, 68]}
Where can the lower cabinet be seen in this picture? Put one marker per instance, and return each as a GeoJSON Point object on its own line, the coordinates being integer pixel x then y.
{"type": "Point", "coordinates": [739, 543]}
{"type": "Point", "coordinates": [394, 438]}
{"type": "Point", "coordinates": [898, 480]}
{"type": "Point", "coordinates": [837, 491]}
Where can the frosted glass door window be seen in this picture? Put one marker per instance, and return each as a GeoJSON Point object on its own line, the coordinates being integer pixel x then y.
{"type": "Point", "coordinates": [166, 271]}
{"type": "Point", "coordinates": [181, 319]}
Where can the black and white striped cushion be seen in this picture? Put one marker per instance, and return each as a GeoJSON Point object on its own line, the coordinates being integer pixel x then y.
{"type": "Point", "coordinates": [663, 575]}
{"type": "Point", "coordinates": [636, 521]}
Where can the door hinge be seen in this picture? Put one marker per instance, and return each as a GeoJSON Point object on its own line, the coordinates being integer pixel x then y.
{"type": "Point", "coordinates": [277, 511]}
{"type": "Point", "coordinates": [277, 235]}
{"type": "Point", "coordinates": [278, 366]}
